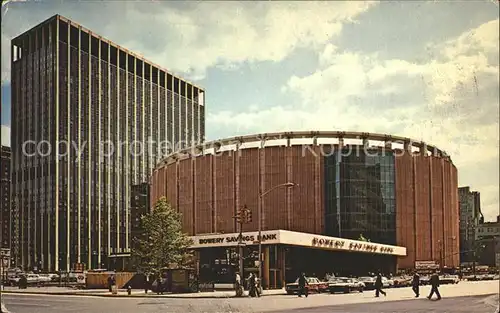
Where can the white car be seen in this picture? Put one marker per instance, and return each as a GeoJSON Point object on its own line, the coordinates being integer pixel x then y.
{"type": "Point", "coordinates": [44, 278]}
{"type": "Point", "coordinates": [387, 283]}
{"type": "Point", "coordinates": [449, 279]}
{"type": "Point", "coordinates": [345, 285]}
{"type": "Point", "coordinates": [32, 278]}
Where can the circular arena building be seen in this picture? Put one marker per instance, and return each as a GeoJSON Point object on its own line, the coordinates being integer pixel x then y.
{"type": "Point", "coordinates": [345, 202]}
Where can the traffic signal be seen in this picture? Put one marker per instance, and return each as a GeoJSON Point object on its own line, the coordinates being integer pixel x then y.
{"type": "Point", "coordinates": [238, 216]}
{"type": "Point", "coordinates": [249, 216]}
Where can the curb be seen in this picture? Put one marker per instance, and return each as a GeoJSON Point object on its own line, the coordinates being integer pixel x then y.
{"type": "Point", "coordinates": [104, 295]}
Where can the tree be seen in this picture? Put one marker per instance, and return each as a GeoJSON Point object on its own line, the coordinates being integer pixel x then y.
{"type": "Point", "coordinates": [162, 242]}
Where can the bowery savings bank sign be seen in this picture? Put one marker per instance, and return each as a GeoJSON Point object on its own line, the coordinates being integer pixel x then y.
{"type": "Point", "coordinates": [234, 239]}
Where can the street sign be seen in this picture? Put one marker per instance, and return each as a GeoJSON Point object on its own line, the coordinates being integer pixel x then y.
{"type": "Point", "coordinates": [420, 265]}
{"type": "Point", "coordinates": [80, 279]}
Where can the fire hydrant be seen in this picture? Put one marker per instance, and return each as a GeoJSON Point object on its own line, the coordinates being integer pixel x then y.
{"type": "Point", "coordinates": [129, 290]}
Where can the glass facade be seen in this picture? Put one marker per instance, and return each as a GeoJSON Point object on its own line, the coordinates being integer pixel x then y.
{"type": "Point", "coordinates": [360, 195]}
{"type": "Point", "coordinates": [113, 108]}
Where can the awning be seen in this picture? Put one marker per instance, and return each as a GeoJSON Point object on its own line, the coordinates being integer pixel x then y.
{"type": "Point", "coordinates": [286, 237]}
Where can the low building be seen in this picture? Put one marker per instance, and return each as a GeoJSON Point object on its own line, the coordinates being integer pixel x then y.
{"type": "Point", "coordinates": [488, 243]}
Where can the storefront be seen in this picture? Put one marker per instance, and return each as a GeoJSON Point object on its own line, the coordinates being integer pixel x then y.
{"type": "Point", "coordinates": [285, 254]}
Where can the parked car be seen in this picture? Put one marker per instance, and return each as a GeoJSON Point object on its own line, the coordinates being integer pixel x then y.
{"type": "Point", "coordinates": [44, 278]}
{"type": "Point", "coordinates": [424, 280]}
{"type": "Point", "coordinates": [449, 279]}
{"type": "Point", "coordinates": [14, 280]}
{"type": "Point", "coordinates": [33, 279]}
{"type": "Point", "coordinates": [387, 283]}
{"type": "Point", "coordinates": [402, 281]}
{"type": "Point", "coordinates": [313, 285]}
{"type": "Point", "coordinates": [345, 285]}
{"type": "Point", "coordinates": [368, 281]}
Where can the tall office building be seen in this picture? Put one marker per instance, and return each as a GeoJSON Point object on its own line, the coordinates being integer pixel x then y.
{"type": "Point", "coordinates": [470, 218]}
{"type": "Point", "coordinates": [72, 85]}
{"type": "Point", "coordinates": [5, 210]}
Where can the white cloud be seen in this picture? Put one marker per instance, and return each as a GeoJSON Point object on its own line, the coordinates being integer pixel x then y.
{"type": "Point", "coordinates": [5, 137]}
{"type": "Point", "coordinates": [450, 101]}
{"type": "Point", "coordinates": [192, 38]}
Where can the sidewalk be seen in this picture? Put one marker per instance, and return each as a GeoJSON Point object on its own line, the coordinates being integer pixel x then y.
{"type": "Point", "coordinates": [137, 293]}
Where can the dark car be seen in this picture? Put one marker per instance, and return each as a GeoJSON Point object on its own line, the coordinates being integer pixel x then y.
{"type": "Point", "coordinates": [313, 285]}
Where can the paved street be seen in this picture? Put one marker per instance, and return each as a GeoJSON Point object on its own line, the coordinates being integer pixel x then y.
{"type": "Point", "coordinates": [475, 297]}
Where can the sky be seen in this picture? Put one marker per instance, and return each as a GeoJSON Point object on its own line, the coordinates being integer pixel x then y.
{"type": "Point", "coordinates": [426, 70]}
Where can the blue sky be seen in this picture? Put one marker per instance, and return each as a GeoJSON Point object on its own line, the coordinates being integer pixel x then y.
{"type": "Point", "coordinates": [426, 70]}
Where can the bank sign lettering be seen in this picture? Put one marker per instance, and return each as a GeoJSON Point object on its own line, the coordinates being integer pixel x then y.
{"type": "Point", "coordinates": [236, 239]}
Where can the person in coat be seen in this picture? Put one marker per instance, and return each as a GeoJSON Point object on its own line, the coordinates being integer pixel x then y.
{"type": "Point", "coordinates": [434, 281]}
{"type": "Point", "coordinates": [378, 286]}
{"type": "Point", "coordinates": [416, 284]}
{"type": "Point", "coordinates": [252, 290]}
{"type": "Point", "coordinates": [302, 285]}
{"type": "Point", "coordinates": [111, 283]}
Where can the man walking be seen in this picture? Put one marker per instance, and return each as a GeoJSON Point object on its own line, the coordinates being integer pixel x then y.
{"type": "Point", "coordinates": [434, 286]}
{"type": "Point", "coordinates": [378, 286]}
{"type": "Point", "coordinates": [237, 285]}
{"type": "Point", "coordinates": [252, 290]}
{"type": "Point", "coordinates": [416, 284]}
{"type": "Point", "coordinates": [303, 290]}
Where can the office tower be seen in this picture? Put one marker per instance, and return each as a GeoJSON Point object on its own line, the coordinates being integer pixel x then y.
{"type": "Point", "coordinates": [470, 218]}
{"type": "Point", "coordinates": [70, 85]}
{"type": "Point", "coordinates": [5, 212]}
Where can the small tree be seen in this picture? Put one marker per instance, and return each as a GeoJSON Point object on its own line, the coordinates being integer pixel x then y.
{"type": "Point", "coordinates": [162, 242]}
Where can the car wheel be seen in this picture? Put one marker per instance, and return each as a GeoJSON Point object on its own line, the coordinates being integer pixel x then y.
{"type": "Point", "coordinates": [289, 292]}
{"type": "Point", "coordinates": [361, 289]}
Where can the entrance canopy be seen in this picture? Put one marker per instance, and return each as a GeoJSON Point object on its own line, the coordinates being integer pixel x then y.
{"type": "Point", "coordinates": [286, 237]}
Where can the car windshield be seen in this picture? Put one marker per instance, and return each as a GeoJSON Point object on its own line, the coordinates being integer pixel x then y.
{"type": "Point", "coordinates": [308, 279]}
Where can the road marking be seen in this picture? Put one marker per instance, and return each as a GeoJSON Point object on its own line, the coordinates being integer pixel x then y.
{"type": "Point", "coordinates": [27, 304]}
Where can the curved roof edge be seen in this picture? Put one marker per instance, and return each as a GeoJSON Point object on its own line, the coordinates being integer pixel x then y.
{"type": "Point", "coordinates": [262, 138]}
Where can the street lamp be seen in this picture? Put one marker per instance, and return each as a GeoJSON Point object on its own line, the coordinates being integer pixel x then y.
{"type": "Point", "coordinates": [260, 205]}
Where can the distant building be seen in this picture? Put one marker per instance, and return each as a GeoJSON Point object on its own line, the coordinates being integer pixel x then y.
{"type": "Point", "coordinates": [488, 243]}
{"type": "Point", "coordinates": [5, 211]}
{"type": "Point", "coordinates": [470, 218]}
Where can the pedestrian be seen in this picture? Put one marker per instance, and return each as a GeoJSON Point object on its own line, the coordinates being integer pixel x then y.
{"type": "Point", "coordinates": [237, 285]}
{"type": "Point", "coordinates": [158, 285]}
{"type": "Point", "coordinates": [416, 284]}
{"type": "Point", "coordinates": [146, 283]}
{"type": "Point", "coordinates": [303, 290]}
{"type": "Point", "coordinates": [110, 283]}
{"type": "Point", "coordinates": [252, 291]}
{"type": "Point", "coordinates": [378, 286]}
{"type": "Point", "coordinates": [434, 281]}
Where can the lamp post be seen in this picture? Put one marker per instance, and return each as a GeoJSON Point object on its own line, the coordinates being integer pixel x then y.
{"type": "Point", "coordinates": [260, 206]}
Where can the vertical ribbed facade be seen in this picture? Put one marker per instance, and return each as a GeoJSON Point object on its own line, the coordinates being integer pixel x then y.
{"type": "Point", "coordinates": [387, 195]}
{"type": "Point", "coordinates": [107, 115]}
{"type": "Point", "coordinates": [6, 213]}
